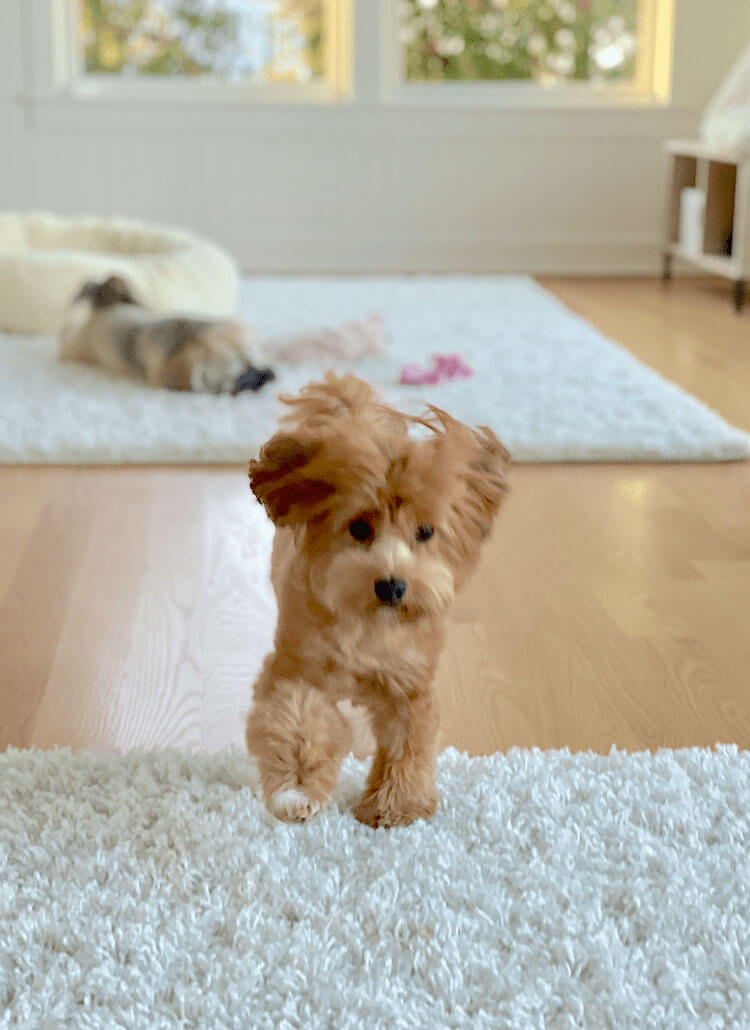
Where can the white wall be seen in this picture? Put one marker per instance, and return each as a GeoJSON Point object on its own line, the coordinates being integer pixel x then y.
{"type": "Point", "coordinates": [373, 187]}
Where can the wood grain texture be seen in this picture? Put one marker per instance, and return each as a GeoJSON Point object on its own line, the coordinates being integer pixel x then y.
{"type": "Point", "coordinates": [611, 607]}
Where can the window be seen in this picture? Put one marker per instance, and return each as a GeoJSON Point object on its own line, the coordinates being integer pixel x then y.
{"type": "Point", "coordinates": [421, 51]}
{"type": "Point", "coordinates": [542, 41]}
{"type": "Point", "coordinates": [258, 42]}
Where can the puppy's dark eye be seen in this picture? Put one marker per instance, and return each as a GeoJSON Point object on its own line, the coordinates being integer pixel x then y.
{"type": "Point", "coordinates": [361, 530]}
{"type": "Point", "coordinates": [424, 533]}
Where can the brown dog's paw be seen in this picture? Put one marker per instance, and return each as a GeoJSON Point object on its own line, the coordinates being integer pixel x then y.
{"type": "Point", "coordinates": [293, 805]}
{"type": "Point", "coordinates": [376, 809]}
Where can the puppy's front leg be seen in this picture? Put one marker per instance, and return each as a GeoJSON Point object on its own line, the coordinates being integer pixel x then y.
{"type": "Point", "coordinates": [299, 738]}
{"type": "Point", "coordinates": [401, 784]}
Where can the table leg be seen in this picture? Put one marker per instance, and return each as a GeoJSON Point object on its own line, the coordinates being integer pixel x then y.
{"type": "Point", "coordinates": [666, 274]}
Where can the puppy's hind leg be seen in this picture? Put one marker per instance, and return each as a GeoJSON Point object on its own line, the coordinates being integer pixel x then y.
{"type": "Point", "coordinates": [299, 738]}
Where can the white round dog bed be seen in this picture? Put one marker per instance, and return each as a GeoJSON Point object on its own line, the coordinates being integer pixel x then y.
{"type": "Point", "coordinates": [44, 260]}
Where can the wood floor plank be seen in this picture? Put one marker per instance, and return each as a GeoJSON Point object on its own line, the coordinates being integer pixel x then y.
{"type": "Point", "coordinates": [34, 604]}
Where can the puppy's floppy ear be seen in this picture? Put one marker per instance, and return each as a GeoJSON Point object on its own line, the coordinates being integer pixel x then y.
{"type": "Point", "coordinates": [291, 479]}
{"type": "Point", "coordinates": [486, 477]}
{"type": "Point", "coordinates": [480, 463]}
{"type": "Point", "coordinates": [113, 290]}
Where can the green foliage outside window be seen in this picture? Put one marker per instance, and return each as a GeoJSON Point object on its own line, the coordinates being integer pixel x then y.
{"type": "Point", "coordinates": [546, 41]}
{"type": "Point", "coordinates": [268, 40]}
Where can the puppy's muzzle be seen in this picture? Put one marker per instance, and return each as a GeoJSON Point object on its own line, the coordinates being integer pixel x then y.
{"type": "Point", "coordinates": [390, 591]}
{"type": "Point", "coordinates": [253, 379]}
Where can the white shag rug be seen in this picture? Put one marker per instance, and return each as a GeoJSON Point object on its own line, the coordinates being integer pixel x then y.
{"type": "Point", "coordinates": [549, 890]}
{"type": "Point", "coordinates": [551, 386]}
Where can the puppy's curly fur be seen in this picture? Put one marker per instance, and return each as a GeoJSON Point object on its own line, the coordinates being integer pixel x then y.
{"type": "Point", "coordinates": [376, 531]}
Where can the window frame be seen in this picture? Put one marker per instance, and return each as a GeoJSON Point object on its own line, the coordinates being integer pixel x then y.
{"type": "Point", "coordinates": [367, 68]}
{"type": "Point", "coordinates": [651, 83]}
{"type": "Point", "coordinates": [57, 65]}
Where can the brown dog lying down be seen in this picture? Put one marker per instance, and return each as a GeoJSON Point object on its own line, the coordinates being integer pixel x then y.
{"type": "Point", "coordinates": [376, 532]}
{"type": "Point", "coordinates": [106, 326]}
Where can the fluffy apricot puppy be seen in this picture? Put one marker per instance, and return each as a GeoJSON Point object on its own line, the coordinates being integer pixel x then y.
{"type": "Point", "coordinates": [376, 531]}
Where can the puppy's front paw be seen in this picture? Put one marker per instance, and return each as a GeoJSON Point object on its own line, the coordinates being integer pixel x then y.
{"type": "Point", "coordinates": [293, 805]}
{"type": "Point", "coordinates": [380, 808]}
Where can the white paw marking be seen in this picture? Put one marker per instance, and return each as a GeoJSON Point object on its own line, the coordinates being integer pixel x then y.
{"type": "Point", "coordinates": [293, 804]}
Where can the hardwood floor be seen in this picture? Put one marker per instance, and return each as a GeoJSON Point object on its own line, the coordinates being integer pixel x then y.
{"type": "Point", "coordinates": [612, 607]}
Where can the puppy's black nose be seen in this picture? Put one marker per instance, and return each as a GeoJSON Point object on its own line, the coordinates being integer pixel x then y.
{"type": "Point", "coordinates": [390, 591]}
{"type": "Point", "coordinates": [253, 379]}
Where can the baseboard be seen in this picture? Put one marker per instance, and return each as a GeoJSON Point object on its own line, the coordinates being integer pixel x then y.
{"type": "Point", "coordinates": [588, 256]}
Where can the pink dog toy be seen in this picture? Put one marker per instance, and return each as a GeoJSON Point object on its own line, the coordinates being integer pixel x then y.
{"type": "Point", "coordinates": [358, 338]}
{"type": "Point", "coordinates": [446, 368]}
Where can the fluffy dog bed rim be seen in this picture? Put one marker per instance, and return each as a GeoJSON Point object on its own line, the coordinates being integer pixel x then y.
{"type": "Point", "coordinates": [44, 259]}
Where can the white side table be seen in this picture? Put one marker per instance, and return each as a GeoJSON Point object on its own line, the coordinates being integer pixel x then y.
{"type": "Point", "coordinates": [724, 176]}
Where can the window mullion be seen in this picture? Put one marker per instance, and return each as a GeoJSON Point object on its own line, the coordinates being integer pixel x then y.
{"type": "Point", "coordinates": [368, 49]}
